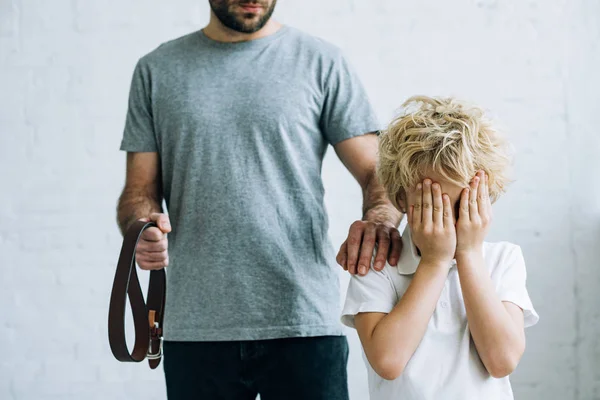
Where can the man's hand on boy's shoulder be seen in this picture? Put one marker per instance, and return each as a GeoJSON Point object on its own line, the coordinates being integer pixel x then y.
{"type": "Point", "coordinates": [356, 252]}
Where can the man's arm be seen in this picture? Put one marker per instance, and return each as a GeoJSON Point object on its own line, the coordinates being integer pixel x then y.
{"type": "Point", "coordinates": [141, 195]}
{"type": "Point", "coordinates": [141, 200]}
{"type": "Point", "coordinates": [380, 217]}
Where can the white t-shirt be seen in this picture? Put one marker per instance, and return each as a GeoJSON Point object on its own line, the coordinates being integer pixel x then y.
{"type": "Point", "coordinates": [446, 364]}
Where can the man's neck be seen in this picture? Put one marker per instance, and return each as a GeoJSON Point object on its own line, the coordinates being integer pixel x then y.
{"type": "Point", "coordinates": [215, 30]}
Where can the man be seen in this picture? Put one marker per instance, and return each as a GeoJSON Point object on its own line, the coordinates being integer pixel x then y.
{"type": "Point", "coordinates": [229, 125]}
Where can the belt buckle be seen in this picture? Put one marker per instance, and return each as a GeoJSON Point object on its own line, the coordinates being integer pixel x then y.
{"type": "Point", "coordinates": [157, 355]}
{"type": "Point", "coordinates": [154, 335]}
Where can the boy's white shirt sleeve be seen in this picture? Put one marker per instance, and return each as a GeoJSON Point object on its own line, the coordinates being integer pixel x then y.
{"type": "Point", "coordinates": [373, 292]}
{"type": "Point", "coordinates": [513, 287]}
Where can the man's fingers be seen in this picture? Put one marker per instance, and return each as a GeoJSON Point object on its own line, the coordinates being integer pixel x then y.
{"type": "Point", "coordinates": [356, 253]}
{"type": "Point", "coordinates": [162, 220]}
{"type": "Point", "coordinates": [438, 205]}
{"type": "Point", "coordinates": [152, 246]}
{"type": "Point", "coordinates": [396, 247]}
{"type": "Point", "coordinates": [366, 249]}
{"type": "Point", "coordinates": [473, 209]}
{"type": "Point", "coordinates": [353, 242]}
{"type": "Point", "coordinates": [427, 204]}
{"type": "Point", "coordinates": [152, 234]}
{"type": "Point", "coordinates": [383, 248]}
{"type": "Point", "coordinates": [153, 265]}
{"type": "Point", "coordinates": [342, 256]}
{"type": "Point", "coordinates": [155, 256]}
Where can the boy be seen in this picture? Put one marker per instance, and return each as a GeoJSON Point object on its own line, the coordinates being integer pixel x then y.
{"type": "Point", "coordinates": [448, 322]}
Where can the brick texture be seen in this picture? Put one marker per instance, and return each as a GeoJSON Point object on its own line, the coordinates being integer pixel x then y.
{"type": "Point", "coordinates": [65, 68]}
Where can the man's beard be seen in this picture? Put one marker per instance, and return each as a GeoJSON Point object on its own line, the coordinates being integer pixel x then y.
{"type": "Point", "coordinates": [243, 23]}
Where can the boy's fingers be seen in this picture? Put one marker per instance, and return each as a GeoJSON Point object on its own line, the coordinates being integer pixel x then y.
{"type": "Point", "coordinates": [427, 203]}
{"type": "Point", "coordinates": [483, 200]}
{"type": "Point", "coordinates": [438, 205]}
{"type": "Point", "coordinates": [487, 193]}
{"type": "Point", "coordinates": [473, 209]}
{"type": "Point", "coordinates": [463, 210]}
{"type": "Point", "coordinates": [417, 213]}
{"type": "Point", "coordinates": [448, 220]}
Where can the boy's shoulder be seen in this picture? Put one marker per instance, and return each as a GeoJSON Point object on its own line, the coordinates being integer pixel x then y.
{"type": "Point", "coordinates": [498, 256]}
{"type": "Point", "coordinates": [498, 249]}
{"type": "Point", "coordinates": [501, 255]}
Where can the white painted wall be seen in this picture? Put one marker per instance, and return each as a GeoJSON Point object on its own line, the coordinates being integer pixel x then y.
{"type": "Point", "coordinates": [65, 68]}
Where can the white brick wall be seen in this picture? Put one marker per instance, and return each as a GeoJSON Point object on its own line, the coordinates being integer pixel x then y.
{"type": "Point", "coordinates": [65, 68]}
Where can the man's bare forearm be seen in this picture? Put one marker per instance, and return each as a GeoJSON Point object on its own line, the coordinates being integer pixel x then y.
{"type": "Point", "coordinates": [377, 207]}
{"type": "Point", "coordinates": [135, 204]}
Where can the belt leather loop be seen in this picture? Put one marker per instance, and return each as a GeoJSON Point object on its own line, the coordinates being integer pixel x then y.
{"type": "Point", "coordinates": [147, 316]}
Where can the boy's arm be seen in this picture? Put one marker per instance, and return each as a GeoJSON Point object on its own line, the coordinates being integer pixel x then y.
{"type": "Point", "coordinates": [390, 340]}
{"type": "Point", "coordinates": [497, 327]}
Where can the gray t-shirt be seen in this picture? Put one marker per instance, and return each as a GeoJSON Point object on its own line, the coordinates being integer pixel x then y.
{"type": "Point", "coordinates": [242, 129]}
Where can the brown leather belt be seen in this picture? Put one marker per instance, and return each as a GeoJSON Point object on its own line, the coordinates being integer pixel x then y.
{"type": "Point", "coordinates": [147, 317]}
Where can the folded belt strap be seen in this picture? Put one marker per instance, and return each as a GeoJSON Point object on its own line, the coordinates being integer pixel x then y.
{"type": "Point", "coordinates": [147, 317]}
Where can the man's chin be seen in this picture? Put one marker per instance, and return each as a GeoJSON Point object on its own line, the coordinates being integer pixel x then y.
{"type": "Point", "coordinates": [248, 26]}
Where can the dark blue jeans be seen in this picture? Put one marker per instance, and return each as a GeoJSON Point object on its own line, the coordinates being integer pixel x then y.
{"type": "Point", "coordinates": [311, 368]}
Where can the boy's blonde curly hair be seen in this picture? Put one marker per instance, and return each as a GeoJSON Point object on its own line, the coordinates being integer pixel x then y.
{"type": "Point", "coordinates": [450, 137]}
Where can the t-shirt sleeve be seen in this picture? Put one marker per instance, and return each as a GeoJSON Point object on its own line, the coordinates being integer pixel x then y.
{"type": "Point", "coordinates": [373, 292]}
{"type": "Point", "coordinates": [512, 285]}
{"type": "Point", "coordinates": [139, 135]}
{"type": "Point", "coordinates": [347, 111]}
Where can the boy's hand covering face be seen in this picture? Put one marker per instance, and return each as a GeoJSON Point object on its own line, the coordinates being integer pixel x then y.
{"type": "Point", "coordinates": [468, 209]}
{"type": "Point", "coordinates": [474, 215]}
{"type": "Point", "coordinates": [432, 224]}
